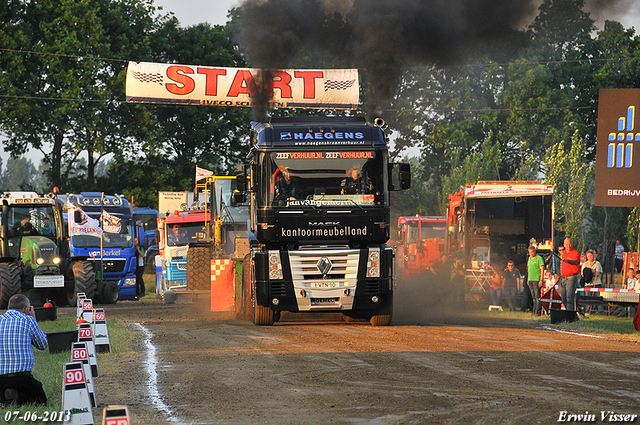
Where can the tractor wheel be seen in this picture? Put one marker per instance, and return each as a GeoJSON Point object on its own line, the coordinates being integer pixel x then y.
{"type": "Point", "coordinates": [199, 267]}
{"type": "Point", "coordinates": [10, 283]}
{"type": "Point", "coordinates": [110, 293]}
{"type": "Point", "coordinates": [382, 315]}
{"type": "Point", "coordinates": [83, 281]}
{"type": "Point", "coordinates": [262, 316]}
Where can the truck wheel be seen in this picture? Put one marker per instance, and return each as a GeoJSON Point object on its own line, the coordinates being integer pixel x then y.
{"type": "Point", "coordinates": [382, 315]}
{"type": "Point", "coordinates": [199, 267]}
{"type": "Point", "coordinates": [246, 287]}
{"type": "Point", "coordinates": [262, 316]}
{"type": "Point", "coordinates": [83, 281]}
{"type": "Point", "coordinates": [10, 283]}
{"type": "Point", "coordinates": [110, 293]}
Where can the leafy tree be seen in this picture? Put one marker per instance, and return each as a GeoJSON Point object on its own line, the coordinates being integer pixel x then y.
{"type": "Point", "coordinates": [19, 174]}
{"type": "Point", "coordinates": [572, 175]}
{"type": "Point", "coordinates": [60, 96]}
{"type": "Point", "coordinates": [483, 165]}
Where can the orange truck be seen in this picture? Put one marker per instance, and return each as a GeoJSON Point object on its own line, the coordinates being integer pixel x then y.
{"type": "Point", "coordinates": [496, 221]}
{"type": "Point", "coordinates": [421, 241]}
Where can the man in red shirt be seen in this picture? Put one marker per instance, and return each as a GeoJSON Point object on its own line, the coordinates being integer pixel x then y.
{"type": "Point", "coordinates": [569, 272]}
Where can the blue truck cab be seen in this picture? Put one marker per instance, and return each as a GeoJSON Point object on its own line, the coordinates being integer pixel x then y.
{"type": "Point", "coordinates": [116, 248]}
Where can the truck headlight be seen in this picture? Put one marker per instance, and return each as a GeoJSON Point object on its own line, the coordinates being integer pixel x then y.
{"type": "Point", "coordinates": [131, 281]}
{"type": "Point", "coordinates": [275, 265]}
{"type": "Point", "coordinates": [40, 261]}
{"type": "Point", "coordinates": [56, 260]}
{"type": "Point", "coordinates": [373, 263]}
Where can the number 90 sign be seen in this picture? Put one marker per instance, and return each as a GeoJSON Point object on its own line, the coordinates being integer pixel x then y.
{"type": "Point", "coordinates": [74, 377]}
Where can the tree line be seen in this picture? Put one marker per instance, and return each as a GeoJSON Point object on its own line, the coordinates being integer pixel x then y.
{"type": "Point", "coordinates": [524, 109]}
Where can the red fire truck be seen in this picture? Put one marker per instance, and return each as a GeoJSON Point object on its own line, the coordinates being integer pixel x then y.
{"type": "Point", "coordinates": [421, 241]}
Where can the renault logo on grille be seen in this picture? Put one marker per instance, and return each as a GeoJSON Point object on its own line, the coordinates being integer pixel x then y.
{"type": "Point", "coordinates": [324, 266]}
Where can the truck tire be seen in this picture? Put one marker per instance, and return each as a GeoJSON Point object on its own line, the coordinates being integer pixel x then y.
{"type": "Point", "coordinates": [382, 315]}
{"type": "Point", "coordinates": [83, 281]}
{"type": "Point", "coordinates": [10, 283]}
{"type": "Point", "coordinates": [262, 316]}
{"type": "Point", "coordinates": [199, 267]}
{"type": "Point", "coordinates": [110, 293]}
{"type": "Point", "coordinates": [247, 308]}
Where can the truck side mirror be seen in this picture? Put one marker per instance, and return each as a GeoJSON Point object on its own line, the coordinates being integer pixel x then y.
{"type": "Point", "coordinates": [241, 178]}
{"type": "Point", "coordinates": [77, 216]}
{"type": "Point", "coordinates": [238, 198]}
{"type": "Point", "coordinates": [399, 176]}
{"type": "Point", "coordinates": [405, 176]}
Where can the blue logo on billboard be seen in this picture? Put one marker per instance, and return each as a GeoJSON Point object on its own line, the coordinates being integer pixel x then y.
{"type": "Point", "coordinates": [285, 136]}
{"type": "Point", "coordinates": [620, 148]}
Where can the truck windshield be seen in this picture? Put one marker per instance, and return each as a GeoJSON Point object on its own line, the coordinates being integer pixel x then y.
{"type": "Point", "coordinates": [32, 220]}
{"type": "Point", "coordinates": [326, 178]}
{"type": "Point", "coordinates": [109, 240]}
{"type": "Point", "coordinates": [183, 233]}
{"type": "Point", "coordinates": [429, 231]}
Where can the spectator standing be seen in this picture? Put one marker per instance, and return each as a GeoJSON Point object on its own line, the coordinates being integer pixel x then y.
{"type": "Point", "coordinates": [619, 256]}
{"type": "Point", "coordinates": [596, 273]}
{"type": "Point", "coordinates": [569, 271]}
{"type": "Point", "coordinates": [535, 272]}
{"type": "Point", "coordinates": [19, 333]}
{"type": "Point", "coordinates": [457, 280]}
{"type": "Point", "coordinates": [442, 269]}
{"type": "Point", "coordinates": [596, 270]}
{"type": "Point", "coordinates": [496, 286]}
{"type": "Point", "coordinates": [140, 289]}
{"type": "Point", "coordinates": [511, 284]}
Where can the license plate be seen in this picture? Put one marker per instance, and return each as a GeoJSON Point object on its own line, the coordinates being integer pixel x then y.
{"type": "Point", "coordinates": [48, 281]}
{"type": "Point", "coordinates": [324, 301]}
{"type": "Point", "coordinates": [321, 285]}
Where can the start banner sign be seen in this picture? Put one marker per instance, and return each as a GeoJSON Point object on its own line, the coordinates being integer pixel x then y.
{"type": "Point", "coordinates": [217, 86]}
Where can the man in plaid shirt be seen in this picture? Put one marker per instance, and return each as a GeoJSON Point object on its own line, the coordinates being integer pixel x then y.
{"type": "Point", "coordinates": [18, 333]}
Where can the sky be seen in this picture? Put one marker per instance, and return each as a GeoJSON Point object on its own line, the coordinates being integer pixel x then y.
{"type": "Point", "coordinates": [192, 12]}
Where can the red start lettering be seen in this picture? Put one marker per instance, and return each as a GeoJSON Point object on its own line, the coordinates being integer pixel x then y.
{"type": "Point", "coordinates": [281, 80]}
{"type": "Point", "coordinates": [309, 82]}
{"type": "Point", "coordinates": [242, 84]}
{"type": "Point", "coordinates": [211, 80]}
{"type": "Point", "coordinates": [185, 84]}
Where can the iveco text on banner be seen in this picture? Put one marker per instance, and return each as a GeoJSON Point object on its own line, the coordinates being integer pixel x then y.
{"type": "Point", "coordinates": [218, 86]}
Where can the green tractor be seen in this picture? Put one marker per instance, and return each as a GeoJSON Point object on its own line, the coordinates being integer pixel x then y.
{"type": "Point", "coordinates": [35, 251]}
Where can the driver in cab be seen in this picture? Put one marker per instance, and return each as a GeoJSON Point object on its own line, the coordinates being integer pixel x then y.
{"type": "Point", "coordinates": [354, 182]}
{"type": "Point", "coordinates": [23, 226]}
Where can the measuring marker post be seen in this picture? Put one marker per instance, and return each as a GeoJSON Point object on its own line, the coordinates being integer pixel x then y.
{"type": "Point", "coordinates": [76, 403]}
{"type": "Point", "coordinates": [81, 297]}
{"type": "Point", "coordinates": [116, 415]}
{"type": "Point", "coordinates": [79, 353]}
{"type": "Point", "coordinates": [85, 334]}
{"type": "Point", "coordinates": [103, 345]}
{"type": "Point", "coordinates": [87, 310]}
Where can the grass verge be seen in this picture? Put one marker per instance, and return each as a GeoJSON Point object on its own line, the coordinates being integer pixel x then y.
{"type": "Point", "coordinates": [594, 323]}
{"type": "Point", "coordinates": [48, 368]}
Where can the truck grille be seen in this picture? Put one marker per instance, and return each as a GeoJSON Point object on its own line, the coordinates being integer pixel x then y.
{"type": "Point", "coordinates": [344, 264]}
{"type": "Point", "coordinates": [114, 266]}
{"type": "Point", "coordinates": [278, 289]}
{"type": "Point", "coordinates": [324, 278]}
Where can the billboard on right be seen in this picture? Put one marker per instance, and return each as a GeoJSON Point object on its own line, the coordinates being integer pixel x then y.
{"type": "Point", "coordinates": [617, 162]}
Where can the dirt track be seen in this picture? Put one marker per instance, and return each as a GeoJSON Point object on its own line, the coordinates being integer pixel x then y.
{"type": "Point", "coordinates": [426, 368]}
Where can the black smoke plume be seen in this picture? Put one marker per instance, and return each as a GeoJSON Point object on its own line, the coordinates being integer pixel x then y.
{"type": "Point", "coordinates": [378, 36]}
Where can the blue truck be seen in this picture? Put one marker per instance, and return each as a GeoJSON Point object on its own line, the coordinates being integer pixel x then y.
{"type": "Point", "coordinates": [115, 249]}
{"type": "Point", "coordinates": [148, 219]}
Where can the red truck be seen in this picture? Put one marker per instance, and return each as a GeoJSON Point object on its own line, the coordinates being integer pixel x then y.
{"type": "Point", "coordinates": [421, 241]}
